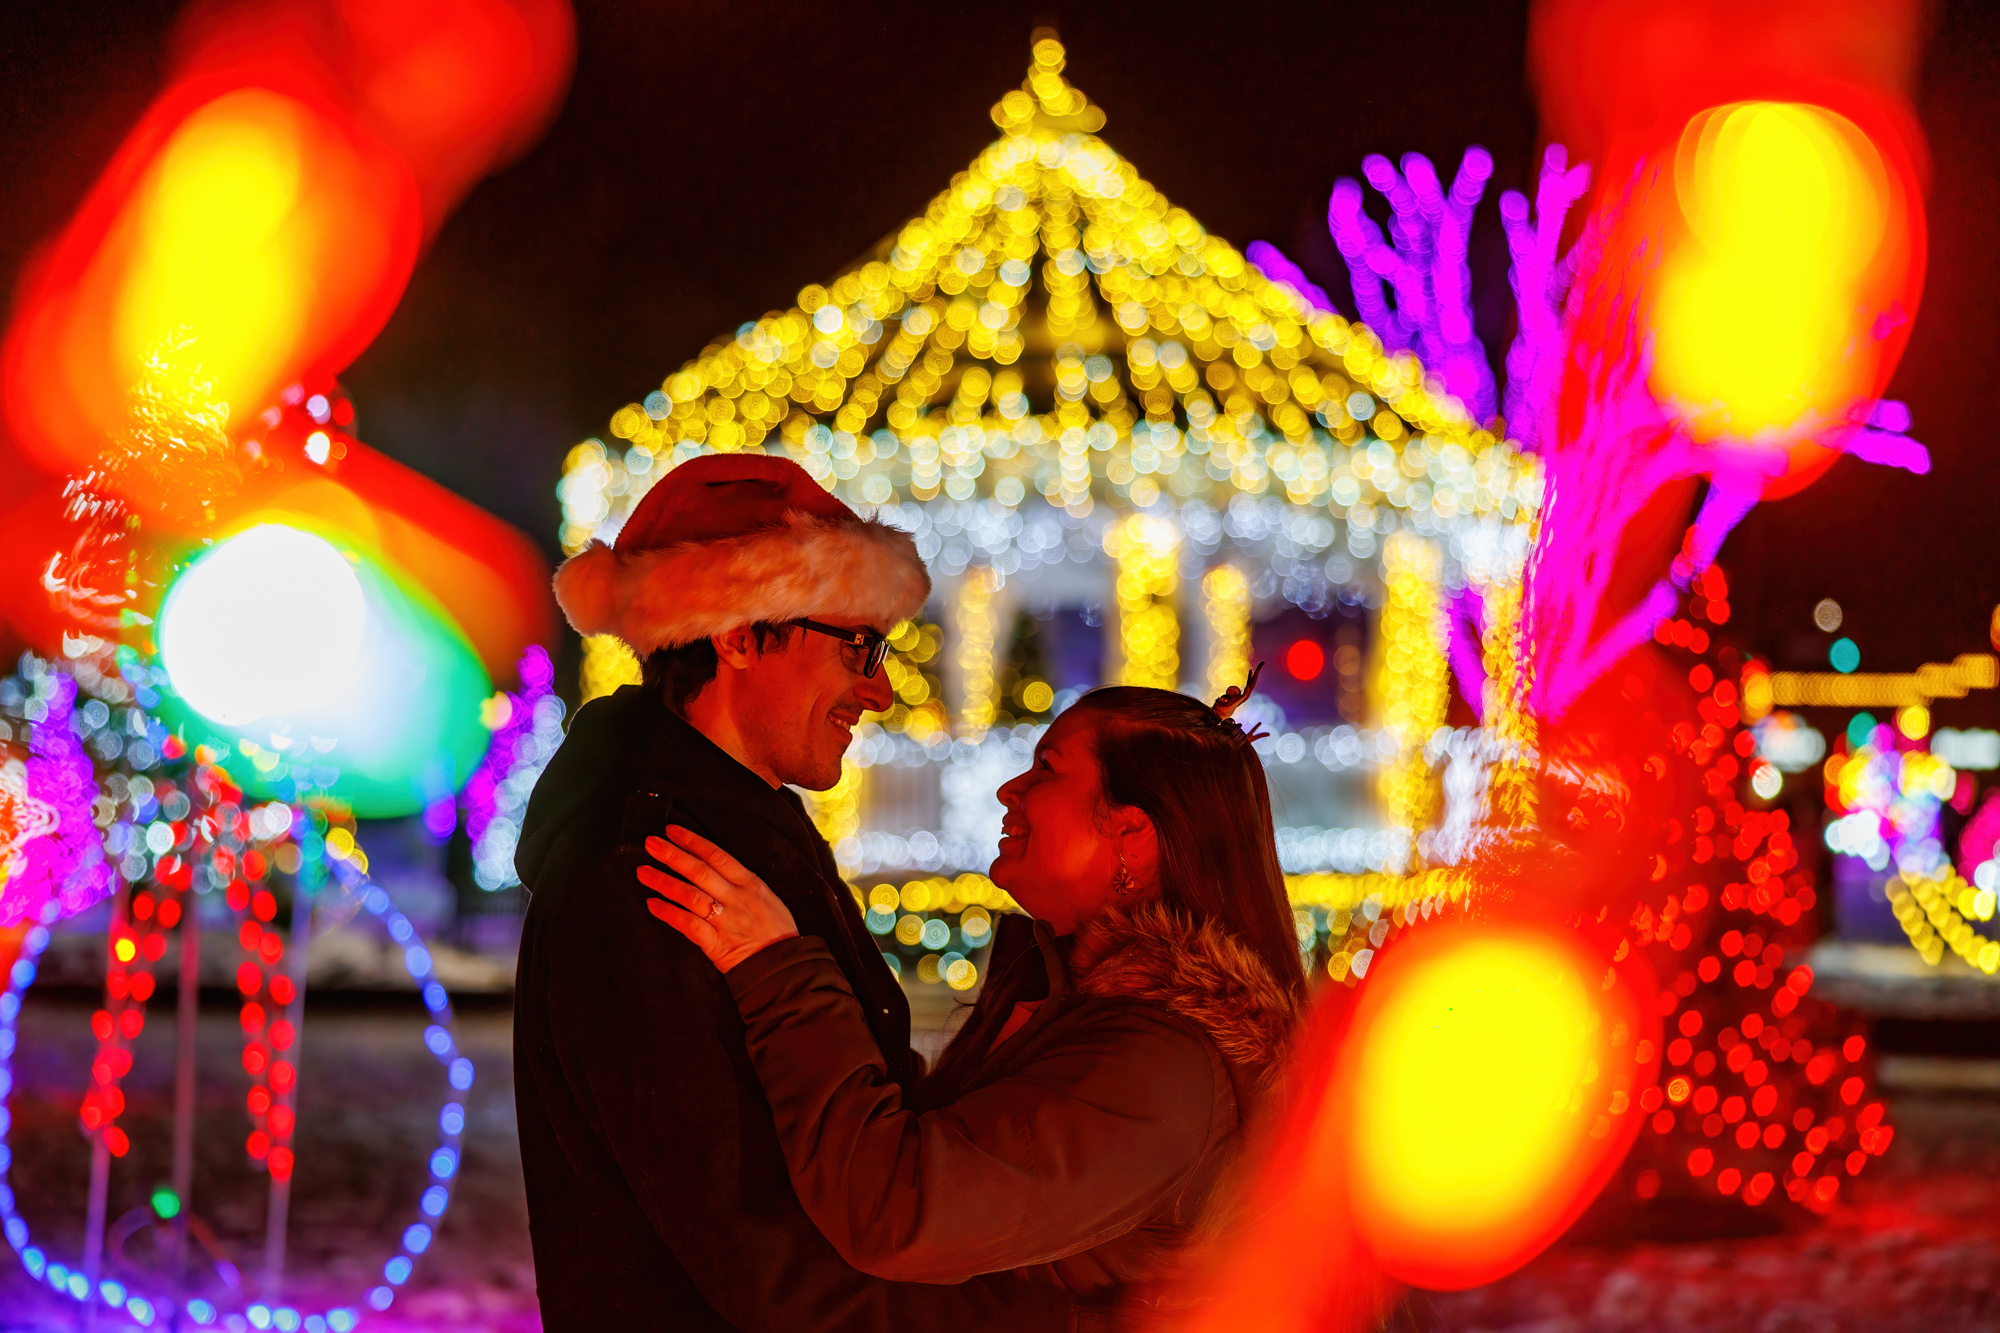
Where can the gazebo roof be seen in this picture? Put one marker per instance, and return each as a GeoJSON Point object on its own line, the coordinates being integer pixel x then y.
{"type": "Point", "coordinates": [1052, 323]}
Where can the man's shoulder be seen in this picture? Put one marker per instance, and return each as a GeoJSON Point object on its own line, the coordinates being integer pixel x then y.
{"type": "Point", "coordinates": [607, 817]}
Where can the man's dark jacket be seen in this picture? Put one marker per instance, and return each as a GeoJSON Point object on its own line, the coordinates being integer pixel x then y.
{"type": "Point", "coordinates": [658, 1196]}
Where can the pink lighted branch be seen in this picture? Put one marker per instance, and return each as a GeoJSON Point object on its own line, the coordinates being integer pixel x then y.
{"type": "Point", "coordinates": [1598, 480]}
{"type": "Point", "coordinates": [1624, 451]}
{"type": "Point", "coordinates": [1626, 447]}
{"type": "Point", "coordinates": [1425, 267]}
{"type": "Point", "coordinates": [1540, 281]}
{"type": "Point", "coordinates": [1464, 616]}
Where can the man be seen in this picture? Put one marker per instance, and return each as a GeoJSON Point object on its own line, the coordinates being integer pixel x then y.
{"type": "Point", "coordinates": [657, 1191]}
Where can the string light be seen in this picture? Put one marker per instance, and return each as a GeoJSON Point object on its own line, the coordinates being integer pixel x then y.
{"type": "Point", "coordinates": [50, 851]}
{"type": "Point", "coordinates": [943, 918]}
{"type": "Point", "coordinates": [496, 796]}
{"type": "Point", "coordinates": [442, 1165]}
{"type": "Point", "coordinates": [1177, 366]}
{"type": "Point", "coordinates": [1753, 1096]}
{"type": "Point", "coordinates": [919, 707]}
{"type": "Point", "coordinates": [1511, 796]}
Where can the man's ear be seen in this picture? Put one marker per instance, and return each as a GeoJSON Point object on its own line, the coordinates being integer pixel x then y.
{"type": "Point", "coordinates": [736, 648]}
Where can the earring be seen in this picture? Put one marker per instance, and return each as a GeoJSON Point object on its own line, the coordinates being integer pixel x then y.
{"type": "Point", "coordinates": [1122, 883]}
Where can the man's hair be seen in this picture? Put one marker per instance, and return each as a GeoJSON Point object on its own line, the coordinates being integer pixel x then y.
{"type": "Point", "coordinates": [680, 673]}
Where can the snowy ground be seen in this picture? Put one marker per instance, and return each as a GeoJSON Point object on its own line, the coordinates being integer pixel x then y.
{"type": "Point", "coordinates": [1915, 1245]}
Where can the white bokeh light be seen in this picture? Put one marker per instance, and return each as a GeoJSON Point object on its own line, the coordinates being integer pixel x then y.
{"type": "Point", "coordinates": [270, 622]}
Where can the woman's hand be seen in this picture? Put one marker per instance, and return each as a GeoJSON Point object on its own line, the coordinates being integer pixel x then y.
{"type": "Point", "coordinates": [728, 912]}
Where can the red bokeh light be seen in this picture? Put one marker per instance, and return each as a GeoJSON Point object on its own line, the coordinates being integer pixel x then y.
{"type": "Point", "coordinates": [1305, 659]}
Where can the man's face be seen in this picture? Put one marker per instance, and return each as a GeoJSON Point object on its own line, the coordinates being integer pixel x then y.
{"type": "Point", "coordinates": [808, 692]}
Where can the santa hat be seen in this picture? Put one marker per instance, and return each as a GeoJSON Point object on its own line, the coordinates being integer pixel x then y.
{"type": "Point", "coordinates": [732, 539]}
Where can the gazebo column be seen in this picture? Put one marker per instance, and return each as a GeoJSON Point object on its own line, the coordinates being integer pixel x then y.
{"type": "Point", "coordinates": [1225, 604]}
{"type": "Point", "coordinates": [976, 623]}
{"type": "Point", "coordinates": [1147, 551]}
{"type": "Point", "coordinates": [1410, 682]}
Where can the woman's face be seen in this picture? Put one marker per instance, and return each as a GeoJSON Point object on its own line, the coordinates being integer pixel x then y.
{"type": "Point", "coordinates": [1058, 849]}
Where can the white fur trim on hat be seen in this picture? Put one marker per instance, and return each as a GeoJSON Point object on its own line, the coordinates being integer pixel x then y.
{"type": "Point", "coordinates": [803, 567]}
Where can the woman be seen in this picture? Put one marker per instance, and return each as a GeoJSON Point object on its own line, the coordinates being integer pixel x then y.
{"type": "Point", "coordinates": [1084, 1114]}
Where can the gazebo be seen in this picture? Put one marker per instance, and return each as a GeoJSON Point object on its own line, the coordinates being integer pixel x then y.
{"type": "Point", "coordinates": [1129, 455]}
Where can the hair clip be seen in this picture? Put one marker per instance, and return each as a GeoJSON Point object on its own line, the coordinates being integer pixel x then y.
{"type": "Point", "coordinates": [1233, 699]}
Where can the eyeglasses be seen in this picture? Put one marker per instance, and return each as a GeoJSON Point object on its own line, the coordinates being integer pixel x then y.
{"type": "Point", "coordinates": [871, 645]}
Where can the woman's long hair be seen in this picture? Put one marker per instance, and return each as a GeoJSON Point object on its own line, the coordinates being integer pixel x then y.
{"type": "Point", "coordinates": [1202, 785]}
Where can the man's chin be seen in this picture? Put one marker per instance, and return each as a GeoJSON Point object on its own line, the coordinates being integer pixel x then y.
{"type": "Point", "coordinates": [819, 779]}
{"type": "Point", "coordinates": [824, 773]}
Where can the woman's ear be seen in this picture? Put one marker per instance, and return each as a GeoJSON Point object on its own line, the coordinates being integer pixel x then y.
{"type": "Point", "coordinates": [1132, 830]}
{"type": "Point", "coordinates": [1127, 821]}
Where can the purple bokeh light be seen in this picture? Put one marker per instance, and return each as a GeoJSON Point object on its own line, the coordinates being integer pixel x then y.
{"type": "Point", "coordinates": [60, 859]}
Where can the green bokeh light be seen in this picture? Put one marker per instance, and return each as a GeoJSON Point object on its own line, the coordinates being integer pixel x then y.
{"type": "Point", "coordinates": [1859, 728]}
{"type": "Point", "coordinates": [397, 728]}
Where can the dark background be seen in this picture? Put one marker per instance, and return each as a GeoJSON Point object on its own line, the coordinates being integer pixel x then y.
{"type": "Point", "coordinates": [711, 160]}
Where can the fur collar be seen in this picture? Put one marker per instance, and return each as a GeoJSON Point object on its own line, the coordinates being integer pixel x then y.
{"type": "Point", "coordinates": [1203, 974]}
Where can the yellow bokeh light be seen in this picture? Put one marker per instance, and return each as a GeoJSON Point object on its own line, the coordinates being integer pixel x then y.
{"type": "Point", "coordinates": [1469, 1087]}
{"type": "Point", "coordinates": [1485, 1091]}
{"type": "Point", "coordinates": [219, 258]}
{"type": "Point", "coordinates": [1759, 304]}
{"type": "Point", "coordinates": [1934, 912]}
{"type": "Point", "coordinates": [1757, 700]}
{"type": "Point", "coordinates": [836, 812]}
{"type": "Point", "coordinates": [607, 664]}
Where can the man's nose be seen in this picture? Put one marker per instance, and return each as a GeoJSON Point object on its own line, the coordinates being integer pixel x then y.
{"type": "Point", "coordinates": [875, 692]}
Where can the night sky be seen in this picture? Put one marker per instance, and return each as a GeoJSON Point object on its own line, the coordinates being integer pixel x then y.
{"type": "Point", "coordinates": [710, 161]}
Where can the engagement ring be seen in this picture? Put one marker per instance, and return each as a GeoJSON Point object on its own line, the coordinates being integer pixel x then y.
{"type": "Point", "coordinates": [714, 909]}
